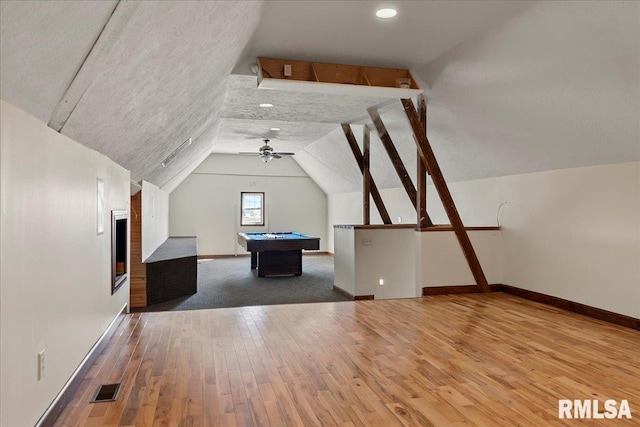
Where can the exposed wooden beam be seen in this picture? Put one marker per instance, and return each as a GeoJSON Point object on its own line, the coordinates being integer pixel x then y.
{"type": "Point", "coordinates": [375, 194]}
{"type": "Point", "coordinates": [421, 195]}
{"type": "Point", "coordinates": [429, 160]}
{"type": "Point", "coordinates": [423, 220]}
{"type": "Point", "coordinates": [396, 161]}
{"type": "Point", "coordinates": [366, 177]}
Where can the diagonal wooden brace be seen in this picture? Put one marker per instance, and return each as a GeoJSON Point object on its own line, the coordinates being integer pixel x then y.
{"type": "Point", "coordinates": [357, 154]}
{"type": "Point", "coordinates": [421, 181]}
{"type": "Point", "coordinates": [396, 161]}
{"type": "Point", "coordinates": [429, 160]}
{"type": "Point", "coordinates": [366, 177]}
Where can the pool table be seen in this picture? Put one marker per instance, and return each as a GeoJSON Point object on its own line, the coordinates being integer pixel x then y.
{"type": "Point", "coordinates": [277, 253]}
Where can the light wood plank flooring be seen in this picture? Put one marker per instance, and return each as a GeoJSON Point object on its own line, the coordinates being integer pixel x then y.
{"type": "Point", "coordinates": [484, 360]}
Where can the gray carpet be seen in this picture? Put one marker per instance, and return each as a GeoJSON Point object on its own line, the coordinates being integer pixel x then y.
{"type": "Point", "coordinates": [229, 282]}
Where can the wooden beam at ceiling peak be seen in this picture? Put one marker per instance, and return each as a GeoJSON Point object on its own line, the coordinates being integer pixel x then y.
{"type": "Point", "coordinates": [429, 160]}
{"type": "Point", "coordinates": [357, 154]}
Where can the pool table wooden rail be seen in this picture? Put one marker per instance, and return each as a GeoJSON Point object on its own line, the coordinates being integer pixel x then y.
{"type": "Point", "coordinates": [252, 245]}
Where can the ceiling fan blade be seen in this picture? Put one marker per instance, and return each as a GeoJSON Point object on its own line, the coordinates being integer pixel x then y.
{"type": "Point", "coordinates": [284, 153]}
{"type": "Point", "coordinates": [276, 156]}
{"type": "Point", "coordinates": [246, 153]}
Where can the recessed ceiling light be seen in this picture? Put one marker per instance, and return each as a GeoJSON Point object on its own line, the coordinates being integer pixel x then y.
{"type": "Point", "coordinates": [386, 13]}
{"type": "Point", "coordinates": [266, 105]}
{"type": "Point", "coordinates": [275, 129]}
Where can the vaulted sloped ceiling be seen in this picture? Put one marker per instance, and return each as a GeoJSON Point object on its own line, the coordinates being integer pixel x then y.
{"type": "Point", "coordinates": [148, 75]}
{"type": "Point", "coordinates": [512, 87]}
{"type": "Point", "coordinates": [557, 86]}
{"type": "Point", "coordinates": [162, 80]}
{"type": "Point", "coordinates": [40, 51]}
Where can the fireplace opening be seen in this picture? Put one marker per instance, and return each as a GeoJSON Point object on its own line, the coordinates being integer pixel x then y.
{"type": "Point", "coordinates": [119, 242]}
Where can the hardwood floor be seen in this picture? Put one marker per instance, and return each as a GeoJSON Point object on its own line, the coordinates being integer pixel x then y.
{"type": "Point", "coordinates": [478, 359]}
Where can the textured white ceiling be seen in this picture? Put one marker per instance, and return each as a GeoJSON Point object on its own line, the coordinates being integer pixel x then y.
{"type": "Point", "coordinates": [43, 43]}
{"type": "Point", "coordinates": [555, 87]}
{"type": "Point", "coordinates": [244, 97]}
{"type": "Point", "coordinates": [349, 32]}
{"type": "Point", "coordinates": [516, 86]}
{"type": "Point", "coordinates": [302, 118]}
{"type": "Point", "coordinates": [163, 81]}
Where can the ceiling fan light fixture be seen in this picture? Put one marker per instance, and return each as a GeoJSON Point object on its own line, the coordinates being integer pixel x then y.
{"type": "Point", "coordinates": [266, 158]}
{"type": "Point", "coordinates": [386, 13]}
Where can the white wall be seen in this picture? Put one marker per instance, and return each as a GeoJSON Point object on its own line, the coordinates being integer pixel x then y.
{"type": "Point", "coordinates": [407, 260]}
{"type": "Point", "coordinates": [155, 218]}
{"type": "Point", "coordinates": [344, 266]}
{"type": "Point", "coordinates": [571, 233]}
{"type": "Point", "coordinates": [364, 256]}
{"type": "Point", "coordinates": [207, 203]}
{"type": "Point", "coordinates": [346, 208]}
{"type": "Point", "coordinates": [391, 257]}
{"type": "Point", "coordinates": [442, 262]}
{"type": "Point", "coordinates": [575, 234]}
{"type": "Point", "coordinates": [55, 275]}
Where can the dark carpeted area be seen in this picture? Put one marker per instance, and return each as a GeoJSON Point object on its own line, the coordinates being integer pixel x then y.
{"type": "Point", "coordinates": [229, 282]}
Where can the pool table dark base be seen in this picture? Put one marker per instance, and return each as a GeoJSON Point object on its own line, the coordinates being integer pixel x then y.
{"type": "Point", "coordinates": [272, 263]}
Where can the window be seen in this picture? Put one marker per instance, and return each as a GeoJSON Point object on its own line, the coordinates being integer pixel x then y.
{"type": "Point", "coordinates": [252, 209]}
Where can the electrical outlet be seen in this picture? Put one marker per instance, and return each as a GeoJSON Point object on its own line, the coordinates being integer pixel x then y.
{"type": "Point", "coordinates": [381, 282]}
{"type": "Point", "coordinates": [41, 364]}
{"type": "Point", "coordinates": [287, 70]}
{"type": "Point", "coordinates": [399, 220]}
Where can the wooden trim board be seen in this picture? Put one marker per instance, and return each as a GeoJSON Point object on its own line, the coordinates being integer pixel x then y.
{"type": "Point", "coordinates": [574, 307]}
{"type": "Point", "coordinates": [392, 226]}
{"type": "Point", "coordinates": [460, 289]}
{"type": "Point", "coordinates": [450, 228]}
{"type": "Point", "coordinates": [137, 268]}
{"type": "Point", "coordinates": [314, 253]}
{"type": "Point", "coordinates": [363, 297]}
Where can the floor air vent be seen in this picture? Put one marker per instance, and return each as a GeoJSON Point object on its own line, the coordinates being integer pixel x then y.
{"type": "Point", "coordinates": [106, 393]}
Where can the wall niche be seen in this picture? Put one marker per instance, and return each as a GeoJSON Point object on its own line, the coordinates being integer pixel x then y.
{"type": "Point", "coordinates": [119, 244]}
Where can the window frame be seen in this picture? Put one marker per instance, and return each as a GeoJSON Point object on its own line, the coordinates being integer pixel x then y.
{"type": "Point", "coordinates": [242, 208]}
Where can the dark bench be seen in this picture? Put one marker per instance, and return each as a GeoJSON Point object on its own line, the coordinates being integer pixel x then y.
{"type": "Point", "coordinates": [172, 270]}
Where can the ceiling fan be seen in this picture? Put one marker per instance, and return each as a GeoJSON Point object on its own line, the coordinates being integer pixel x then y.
{"type": "Point", "coordinates": [266, 153]}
